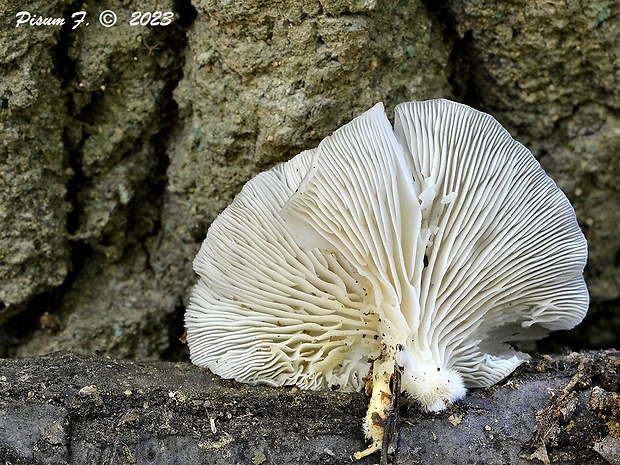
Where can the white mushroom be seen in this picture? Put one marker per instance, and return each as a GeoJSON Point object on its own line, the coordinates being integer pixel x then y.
{"type": "Point", "coordinates": [443, 236]}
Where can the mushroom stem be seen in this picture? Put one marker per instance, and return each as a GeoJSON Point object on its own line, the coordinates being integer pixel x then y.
{"type": "Point", "coordinates": [379, 405]}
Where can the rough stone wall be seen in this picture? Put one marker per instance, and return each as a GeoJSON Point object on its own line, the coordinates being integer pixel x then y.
{"type": "Point", "coordinates": [104, 113]}
{"type": "Point", "coordinates": [34, 249]}
{"type": "Point", "coordinates": [121, 145]}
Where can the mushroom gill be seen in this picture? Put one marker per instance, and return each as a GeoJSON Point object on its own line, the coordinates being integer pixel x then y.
{"type": "Point", "coordinates": [431, 246]}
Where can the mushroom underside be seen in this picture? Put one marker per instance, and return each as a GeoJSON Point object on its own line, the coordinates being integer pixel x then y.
{"type": "Point", "coordinates": [442, 235]}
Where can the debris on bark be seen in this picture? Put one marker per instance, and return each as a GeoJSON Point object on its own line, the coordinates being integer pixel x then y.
{"type": "Point", "coordinates": [69, 409]}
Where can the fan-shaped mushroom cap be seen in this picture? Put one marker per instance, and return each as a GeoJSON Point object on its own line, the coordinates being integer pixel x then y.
{"type": "Point", "coordinates": [443, 235]}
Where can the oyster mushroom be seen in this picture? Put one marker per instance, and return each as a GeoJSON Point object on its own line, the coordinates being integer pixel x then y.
{"type": "Point", "coordinates": [442, 237]}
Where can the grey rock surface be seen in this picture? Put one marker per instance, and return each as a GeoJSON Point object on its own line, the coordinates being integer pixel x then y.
{"type": "Point", "coordinates": [64, 408]}
{"type": "Point", "coordinates": [34, 171]}
{"type": "Point", "coordinates": [111, 111]}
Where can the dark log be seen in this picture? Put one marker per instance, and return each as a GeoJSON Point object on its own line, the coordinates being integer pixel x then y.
{"type": "Point", "coordinates": [67, 408]}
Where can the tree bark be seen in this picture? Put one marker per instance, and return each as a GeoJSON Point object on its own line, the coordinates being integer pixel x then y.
{"type": "Point", "coordinates": [71, 409]}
